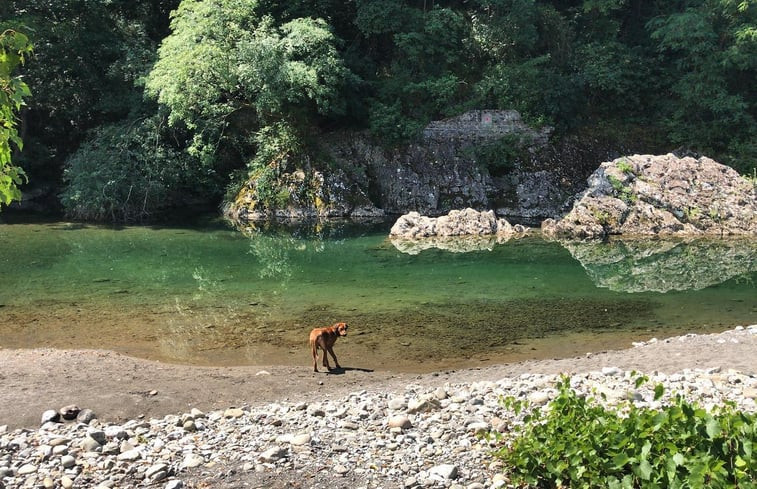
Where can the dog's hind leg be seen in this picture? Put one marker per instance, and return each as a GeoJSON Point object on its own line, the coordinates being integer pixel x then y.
{"type": "Point", "coordinates": [331, 350]}
{"type": "Point", "coordinates": [323, 347]}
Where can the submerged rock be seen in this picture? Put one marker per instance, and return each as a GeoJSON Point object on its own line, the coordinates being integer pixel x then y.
{"type": "Point", "coordinates": [643, 195]}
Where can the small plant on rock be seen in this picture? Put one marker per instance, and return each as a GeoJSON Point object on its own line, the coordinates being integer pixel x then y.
{"type": "Point", "coordinates": [621, 191]}
{"type": "Point", "coordinates": [625, 166]}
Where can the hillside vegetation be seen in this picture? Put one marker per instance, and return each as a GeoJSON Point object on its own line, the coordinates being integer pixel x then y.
{"type": "Point", "coordinates": [143, 106]}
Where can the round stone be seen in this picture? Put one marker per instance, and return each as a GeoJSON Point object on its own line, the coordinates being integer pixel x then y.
{"type": "Point", "coordinates": [399, 421]}
{"type": "Point", "coordinates": [27, 469]}
{"type": "Point", "coordinates": [85, 416]}
{"type": "Point", "coordinates": [69, 412]}
{"type": "Point", "coordinates": [273, 454]}
{"type": "Point", "coordinates": [397, 403]}
{"type": "Point", "coordinates": [50, 416]}
{"type": "Point", "coordinates": [67, 461]}
{"type": "Point", "coordinates": [192, 461]}
{"type": "Point", "coordinates": [299, 440]}
{"type": "Point", "coordinates": [233, 413]}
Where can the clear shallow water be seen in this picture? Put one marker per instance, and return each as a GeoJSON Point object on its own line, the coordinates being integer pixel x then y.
{"type": "Point", "coordinates": [214, 295]}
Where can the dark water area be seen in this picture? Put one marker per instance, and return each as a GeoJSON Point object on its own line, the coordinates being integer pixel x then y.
{"type": "Point", "coordinates": [210, 294]}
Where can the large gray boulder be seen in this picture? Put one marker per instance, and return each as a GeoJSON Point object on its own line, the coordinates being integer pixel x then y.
{"type": "Point", "coordinates": [643, 195]}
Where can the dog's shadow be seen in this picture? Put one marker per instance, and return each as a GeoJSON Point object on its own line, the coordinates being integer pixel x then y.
{"type": "Point", "coordinates": [342, 370]}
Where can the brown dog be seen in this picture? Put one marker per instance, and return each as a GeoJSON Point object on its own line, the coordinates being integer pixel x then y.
{"type": "Point", "coordinates": [324, 338]}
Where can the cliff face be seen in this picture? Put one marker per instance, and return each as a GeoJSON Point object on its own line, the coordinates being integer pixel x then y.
{"type": "Point", "coordinates": [480, 159]}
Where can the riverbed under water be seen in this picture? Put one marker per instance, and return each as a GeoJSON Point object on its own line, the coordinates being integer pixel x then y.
{"type": "Point", "coordinates": [209, 294]}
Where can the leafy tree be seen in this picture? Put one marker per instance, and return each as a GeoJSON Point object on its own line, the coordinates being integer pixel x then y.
{"type": "Point", "coordinates": [711, 47]}
{"type": "Point", "coordinates": [250, 84]}
{"type": "Point", "coordinates": [14, 49]}
{"type": "Point", "coordinates": [90, 57]}
{"type": "Point", "coordinates": [420, 66]}
{"type": "Point", "coordinates": [228, 73]}
{"type": "Point", "coordinates": [528, 56]}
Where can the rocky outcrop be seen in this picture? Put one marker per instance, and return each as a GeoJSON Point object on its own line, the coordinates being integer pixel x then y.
{"type": "Point", "coordinates": [460, 231]}
{"type": "Point", "coordinates": [303, 195]}
{"type": "Point", "coordinates": [645, 195]}
{"type": "Point", "coordinates": [484, 159]}
{"type": "Point", "coordinates": [664, 265]}
{"type": "Point", "coordinates": [467, 222]}
{"type": "Point", "coordinates": [452, 167]}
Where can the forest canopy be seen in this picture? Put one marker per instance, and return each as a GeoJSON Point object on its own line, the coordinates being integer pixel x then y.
{"type": "Point", "coordinates": [145, 105]}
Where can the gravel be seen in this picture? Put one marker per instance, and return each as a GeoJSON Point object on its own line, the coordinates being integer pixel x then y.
{"type": "Point", "coordinates": [419, 436]}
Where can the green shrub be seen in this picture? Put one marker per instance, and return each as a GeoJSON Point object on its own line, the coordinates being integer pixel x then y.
{"type": "Point", "coordinates": [579, 443]}
{"type": "Point", "coordinates": [504, 154]}
{"type": "Point", "coordinates": [625, 166]}
{"type": "Point", "coordinates": [128, 172]}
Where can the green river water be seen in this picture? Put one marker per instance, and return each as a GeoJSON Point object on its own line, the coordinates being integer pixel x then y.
{"type": "Point", "coordinates": [209, 294]}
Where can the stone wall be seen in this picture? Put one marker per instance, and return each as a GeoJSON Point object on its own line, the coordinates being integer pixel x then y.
{"type": "Point", "coordinates": [477, 126]}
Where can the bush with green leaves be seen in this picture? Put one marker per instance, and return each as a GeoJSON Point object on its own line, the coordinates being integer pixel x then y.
{"type": "Point", "coordinates": [129, 172]}
{"type": "Point", "coordinates": [14, 49]}
{"type": "Point", "coordinates": [577, 442]}
{"type": "Point", "coordinates": [228, 71]}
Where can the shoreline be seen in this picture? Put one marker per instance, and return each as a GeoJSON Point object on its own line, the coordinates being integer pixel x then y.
{"type": "Point", "coordinates": [355, 429]}
{"type": "Point", "coordinates": [118, 387]}
{"type": "Point", "coordinates": [283, 427]}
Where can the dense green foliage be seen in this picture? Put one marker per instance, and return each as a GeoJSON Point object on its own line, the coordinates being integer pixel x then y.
{"type": "Point", "coordinates": [244, 84]}
{"type": "Point", "coordinates": [231, 75]}
{"type": "Point", "coordinates": [90, 56]}
{"type": "Point", "coordinates": [130, 172]}
{"type": "Point", "coordinates": [14, 48]}
{"type": "Point", "coordinates": [579, 443]}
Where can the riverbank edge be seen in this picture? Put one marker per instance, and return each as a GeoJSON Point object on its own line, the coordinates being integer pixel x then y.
{"type": "Point", "coordinates": [728, 354]}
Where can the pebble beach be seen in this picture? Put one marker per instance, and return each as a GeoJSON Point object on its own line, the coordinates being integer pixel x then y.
{"type": "Point", "coordinates": [419, 434]}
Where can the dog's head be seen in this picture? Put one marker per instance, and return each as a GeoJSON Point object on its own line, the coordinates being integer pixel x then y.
{"type": "Point", "coordinates": [341, 329]}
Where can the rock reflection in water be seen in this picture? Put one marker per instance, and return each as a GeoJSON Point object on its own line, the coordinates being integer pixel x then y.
{"type": "Point", "coordinates": [454, 244]}
{"type": "Point", "coordinates": [664, 265]}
